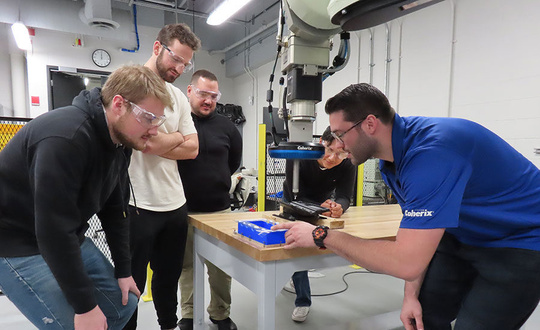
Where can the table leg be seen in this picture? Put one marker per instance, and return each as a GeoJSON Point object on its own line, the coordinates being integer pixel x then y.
{"type": "Point", "coordinates": [266, 277]}
{"type": "Point", "coordinates": [198, 288]}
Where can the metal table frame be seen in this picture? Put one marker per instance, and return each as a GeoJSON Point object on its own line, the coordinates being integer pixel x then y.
{"type": "Point", "coordinates": [265, 279]}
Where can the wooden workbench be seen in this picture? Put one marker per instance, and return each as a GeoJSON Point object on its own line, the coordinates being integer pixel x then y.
{"type": "Point", "coordinates": [265, 269]}
{"type": "Point", "coordinates": [381, 221]}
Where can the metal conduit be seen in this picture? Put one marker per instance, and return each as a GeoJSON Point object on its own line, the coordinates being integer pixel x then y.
{"type": "Point", "coordinates": [388, 60]}
{"type": "Point", "coordinates": [452, 59]}
{"type": "Point", "coordinates": [371, 56]}
{"type": "Point", "coordinates": [399, 66]}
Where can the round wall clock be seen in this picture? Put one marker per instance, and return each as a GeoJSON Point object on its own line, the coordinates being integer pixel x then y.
{"type": "Point", "coordinates": [101, 58]}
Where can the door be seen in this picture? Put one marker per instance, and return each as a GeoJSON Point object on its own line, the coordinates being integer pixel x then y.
{"type": "Point", "coordinates": [64, 88]}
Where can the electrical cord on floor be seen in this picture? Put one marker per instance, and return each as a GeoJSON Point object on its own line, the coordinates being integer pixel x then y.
{"type": "Point", "coordinates": [366, 271]}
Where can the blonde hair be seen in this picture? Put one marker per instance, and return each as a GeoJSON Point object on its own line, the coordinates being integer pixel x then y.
{"type": "Point", "coordinates": [135, 83]}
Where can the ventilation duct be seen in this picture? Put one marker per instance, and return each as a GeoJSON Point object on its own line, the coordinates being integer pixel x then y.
{"type": "Point", "coordinates": [98, 14]}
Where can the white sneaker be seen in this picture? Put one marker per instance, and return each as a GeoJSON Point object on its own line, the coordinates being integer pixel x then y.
{"type": "Point", "coordinates": [300, 314]}
{"type": "Point", "coordinates": [291, 284]}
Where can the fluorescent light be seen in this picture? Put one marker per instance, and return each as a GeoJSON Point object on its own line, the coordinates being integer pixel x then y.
{"type": "Point", "coordinates": [22, 37]}
{"type": "Point", "coordinates": [225, 10]}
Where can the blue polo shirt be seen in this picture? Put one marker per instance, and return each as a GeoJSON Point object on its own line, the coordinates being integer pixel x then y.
{"type": "Point", "coordinates": [455, 174]}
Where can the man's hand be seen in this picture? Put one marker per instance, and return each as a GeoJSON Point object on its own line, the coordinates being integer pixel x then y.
{"type": "Point", "coordinates": [411, 314]}
{"type": "Point", "coordinates": [92, 320]}
{"type": "Point", "coordinates": [163, 143]}
{"type": "Point", "coordinates": [299, 234]}
{"type": "Point", "coordinates": [127, 284]}
{"type": "Point", "coordinates": [336, 210]}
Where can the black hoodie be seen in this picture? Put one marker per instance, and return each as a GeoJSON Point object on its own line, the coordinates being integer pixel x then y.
{"type": "Point", "coordinates": [207, 178]}
{"type": "Point", "coordinates": [55, 173]}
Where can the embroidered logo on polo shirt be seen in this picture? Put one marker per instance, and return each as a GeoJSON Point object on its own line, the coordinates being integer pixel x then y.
{"type": "Point", "coordinates": [418, 213]}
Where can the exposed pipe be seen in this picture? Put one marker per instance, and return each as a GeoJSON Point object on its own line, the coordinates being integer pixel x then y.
{"type": "Point", "coordinates": [246, 48]}
{"type": "Point", "coordinates": [19, 86]}
{"type": "Point", "coordinates": [279, 35]}
{"type": "Point", "coordinates": [399, 66]}
{"type": "Point", "coordinates": [452, 59]}
{"type": "Point", "coordinates": [136, 49]}
{"type": "Point", "coordinates": [184, 11]}
{"type": "Point", "coordinates": [246, 38]}
{"type": "Point", "coordinates": [254, 89]}
{"type": "Point", "coordinates": [358, 69]}
{"type": "Point", "coordinates": [164, 3]}
{"type": "Point", "coordinates": [173, 10]}
{"type": "Point", "coordinates": [388, 60]}
{"type": "Point", "coordinates": [371, 55]}
{"type": "Point", "coordinates": [265, 10]}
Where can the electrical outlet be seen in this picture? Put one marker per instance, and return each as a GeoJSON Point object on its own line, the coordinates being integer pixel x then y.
{"type": "Point", "coordinates": [250, 100]}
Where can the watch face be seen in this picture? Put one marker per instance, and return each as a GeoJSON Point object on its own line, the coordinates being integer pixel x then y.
{"type": "Point", "coordinates": [101, 58]}
{"type": "Point", "coordinates": [318, 233]}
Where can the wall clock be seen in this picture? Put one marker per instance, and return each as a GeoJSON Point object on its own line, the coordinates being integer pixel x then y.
{"type": "Point", "coordinates": [101, 58]}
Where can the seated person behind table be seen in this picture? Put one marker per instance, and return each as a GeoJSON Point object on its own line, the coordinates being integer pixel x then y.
{"type": "Point", "coordinates": [333, 174]}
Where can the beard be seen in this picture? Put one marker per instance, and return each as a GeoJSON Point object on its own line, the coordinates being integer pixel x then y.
{"type": "Point", "coordinates": [196, 108]}
{"type": "Point", "coordinates": [361, 151]}
{"type": "Point", "coordinates": [163, 71]}
{"type": "Point", "coordinates": [358, 160]}
{"type": "Point", "coordinates": [125, 140]}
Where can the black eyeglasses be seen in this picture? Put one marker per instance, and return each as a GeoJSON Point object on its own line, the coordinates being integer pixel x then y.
{"type": "Point", "coordinates": [339, 136]}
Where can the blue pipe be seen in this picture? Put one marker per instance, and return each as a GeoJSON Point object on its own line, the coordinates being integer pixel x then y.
{"type": "Point", "coordinates": [136, 32]}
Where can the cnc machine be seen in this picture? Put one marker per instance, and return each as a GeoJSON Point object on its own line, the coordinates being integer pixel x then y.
{"type": "Point", "coordinates": [305, 60]}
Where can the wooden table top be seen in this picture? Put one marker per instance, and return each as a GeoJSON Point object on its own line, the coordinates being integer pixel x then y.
{"type": "Point", "coordinates": [370, 222]}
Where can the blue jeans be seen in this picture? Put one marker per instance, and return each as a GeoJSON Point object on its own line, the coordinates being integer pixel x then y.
{"type": "Point", "coordinates": [481, 288]}
{"type": "Point", "coordinates": [303, 291]}
{"type": "Point", "coordinates": [30, 285]}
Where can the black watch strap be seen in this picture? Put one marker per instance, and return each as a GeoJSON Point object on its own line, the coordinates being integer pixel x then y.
{"type": "Point", "coordinates": [319, 234]}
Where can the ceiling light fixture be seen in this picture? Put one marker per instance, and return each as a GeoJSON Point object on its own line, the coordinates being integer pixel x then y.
{"type": "Point", "coordinates": [22, 36]}
{"type": "Point", "coordinates": [225, 10]}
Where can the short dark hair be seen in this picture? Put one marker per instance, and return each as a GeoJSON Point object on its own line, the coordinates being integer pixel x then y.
{"type": "Point", "coordinates": [360, 100]}
{"type": "Point", "coordinates": [180, 32]}
{"type": "Point", "coordinates": [135, 82]}
{"type": "Point", "coordinates": [204, 74]}
{"type": "Point", "coordinates": [327, 136]}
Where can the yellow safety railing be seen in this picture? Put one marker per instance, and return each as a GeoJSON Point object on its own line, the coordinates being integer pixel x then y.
{"type": "Point", "coordinates": [7, 131]}
{"type": "Point", "coordinates": [261, 189]}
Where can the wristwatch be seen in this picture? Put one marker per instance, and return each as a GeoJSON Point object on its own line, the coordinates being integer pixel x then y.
{"type": "Point", "coordinates": [319, 234]}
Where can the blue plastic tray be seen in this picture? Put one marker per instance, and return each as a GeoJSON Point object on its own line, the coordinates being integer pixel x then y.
{"type": "Point", "coordinates": [259, 230]}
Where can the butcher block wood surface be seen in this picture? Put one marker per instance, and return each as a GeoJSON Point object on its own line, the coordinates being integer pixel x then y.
{"type": "Point", "coordinates": [369, 222]}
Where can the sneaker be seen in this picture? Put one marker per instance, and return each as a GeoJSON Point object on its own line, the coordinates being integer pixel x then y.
{"type": "Point", "coordinates": [291, 284]}
{"type": "Point", "coordinates": [299, 314]}
{"type": "Point", "coordinates": [226, 324]}
{"type": "Point", "coordinates": [185, 324]}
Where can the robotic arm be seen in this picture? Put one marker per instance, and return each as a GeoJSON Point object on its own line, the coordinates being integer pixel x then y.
{"type": "Point", "coordinates": [306, 55]}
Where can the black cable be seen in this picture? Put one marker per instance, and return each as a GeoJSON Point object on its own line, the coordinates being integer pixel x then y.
{"type": "Point", "coordinates": [285, 112]}
{"type": "Point", "coordinates": [366, 271]}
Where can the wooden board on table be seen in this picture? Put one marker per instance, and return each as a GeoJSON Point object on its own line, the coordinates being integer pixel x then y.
{"type": "Point", "coordinates": [331, 223]}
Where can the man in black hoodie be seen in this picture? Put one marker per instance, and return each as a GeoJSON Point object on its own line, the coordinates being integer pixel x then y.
{"type": "Point", "coordinates": [56, 172]}
{"type": "Point", "coordinates": [207, 181]}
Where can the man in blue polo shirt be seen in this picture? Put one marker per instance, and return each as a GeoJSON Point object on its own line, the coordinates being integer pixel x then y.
{"type": "Point", "coordinates": [468, 246]}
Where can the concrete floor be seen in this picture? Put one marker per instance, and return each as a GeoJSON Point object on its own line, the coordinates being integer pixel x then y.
{"type": "Point", "coordinates": [371, 301]}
